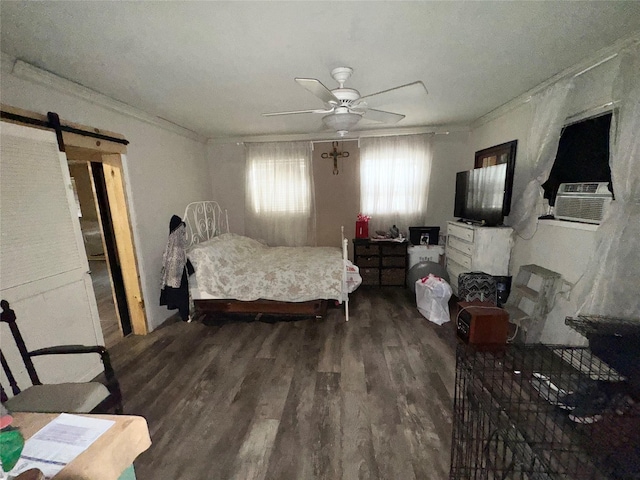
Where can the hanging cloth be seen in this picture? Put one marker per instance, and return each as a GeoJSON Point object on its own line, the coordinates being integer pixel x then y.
{"type": "Point", "coordinates": [176, 268]}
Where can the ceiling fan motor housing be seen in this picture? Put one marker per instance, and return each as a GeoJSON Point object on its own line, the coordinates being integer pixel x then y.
{"type": "Point", "coordinates": [347, 96]}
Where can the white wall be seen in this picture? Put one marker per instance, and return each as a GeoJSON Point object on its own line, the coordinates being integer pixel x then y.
{"type": "Point", "coordinates": [163, 170]}
{"type": "Point", "coordinates": [226, 167]}
{"type": "Point", "coordinates": [560, 248]}
{"type": "Point", "coordinates": [450, 155]}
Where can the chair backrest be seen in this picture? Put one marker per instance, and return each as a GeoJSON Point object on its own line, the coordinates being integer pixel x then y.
{"type": "Point", "coordinates": [111, 401]}
{"type": "Point", "coordinates": [8, 316]}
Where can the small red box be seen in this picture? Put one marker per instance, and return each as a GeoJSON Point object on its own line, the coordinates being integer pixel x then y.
{"type": "Point", "coordinates": [362, 229]}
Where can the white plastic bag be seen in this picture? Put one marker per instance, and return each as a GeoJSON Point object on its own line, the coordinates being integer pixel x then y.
{"type": "Point", "coordinates": [432, 298]}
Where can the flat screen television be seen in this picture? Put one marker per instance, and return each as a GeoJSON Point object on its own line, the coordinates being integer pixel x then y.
{"type": "Point", "coordinates": [483, 195]}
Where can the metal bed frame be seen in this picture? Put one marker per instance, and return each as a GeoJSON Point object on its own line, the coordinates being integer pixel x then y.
{"type": "Point", "coordinates": [206, 220]}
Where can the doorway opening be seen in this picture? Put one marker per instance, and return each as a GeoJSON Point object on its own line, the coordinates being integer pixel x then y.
{"type": "Point", "coordinates": [101, 249]}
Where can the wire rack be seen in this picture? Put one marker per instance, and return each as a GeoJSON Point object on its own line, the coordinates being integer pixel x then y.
{"type": "Point", "coordinates": [542, 412]}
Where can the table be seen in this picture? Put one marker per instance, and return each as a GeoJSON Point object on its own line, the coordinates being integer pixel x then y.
{"type": "Point", "coordinates": [110, 457]}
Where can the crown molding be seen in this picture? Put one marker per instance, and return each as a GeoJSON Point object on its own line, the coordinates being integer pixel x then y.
{"type": "Point", "coordinates": [601, 56]}
{"type": "Point", "coordinates": [353, 135]}
{"type": "Point", "coordinates": [26, 71]}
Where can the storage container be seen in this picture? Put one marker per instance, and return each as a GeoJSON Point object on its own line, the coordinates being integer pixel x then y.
{"type": "Point", "coordinates": [424, 253]}
{"type": "Point", "coordinates": [424, 235]}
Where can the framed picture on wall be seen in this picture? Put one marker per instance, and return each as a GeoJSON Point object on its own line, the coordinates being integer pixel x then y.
{"type": "Point", "coordinates": [496, 155]}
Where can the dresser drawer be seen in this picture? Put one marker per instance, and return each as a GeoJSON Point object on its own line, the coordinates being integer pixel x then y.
{"type": "Point", "coordinates": [370, 276]}
{"type": "Point", "coordinates": [454, 269]}
{"type": "Point", "coordinates": [393, 276]}
{"type": "Point", "coordinates": [460, 232]}
{"type": "Point", "coordinates": [460, 245]}
{"type": "Point", "coordinates": [368, 261]}
{"type": "Point", "coordinates": [459, 258]}
{"type": "Point", "coordinates": [394, 249]}
{"type": "Point", "coordinates": [366, 250]}
{"type": "Point", "coordinates": [394, 262]}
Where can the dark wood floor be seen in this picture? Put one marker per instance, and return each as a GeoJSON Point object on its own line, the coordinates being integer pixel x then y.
{"type": "Point", "coordinates": [309, 399]}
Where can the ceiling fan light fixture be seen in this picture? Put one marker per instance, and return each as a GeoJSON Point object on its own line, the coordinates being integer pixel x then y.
{"type": "Point", "coordinates": [341, 122]}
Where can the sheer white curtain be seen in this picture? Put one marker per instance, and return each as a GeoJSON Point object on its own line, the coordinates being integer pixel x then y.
{"type": "Point", "coordinates": [394, 180]}
{"type": "Point", "coordinates": [549, 114]}
{"type": "Point", "coordinates": [280, 205]}
{"type": "Point", "coordinates": [613, 273]}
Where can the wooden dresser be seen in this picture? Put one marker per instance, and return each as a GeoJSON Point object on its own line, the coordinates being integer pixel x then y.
{"type": "Point", "coordinates": [381, 263]}
{"type": "Point", "coordinates": [472, 248]}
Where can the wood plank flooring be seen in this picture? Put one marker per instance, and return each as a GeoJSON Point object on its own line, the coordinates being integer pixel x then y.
{"type": "Point", "coordinates": [306, 399]}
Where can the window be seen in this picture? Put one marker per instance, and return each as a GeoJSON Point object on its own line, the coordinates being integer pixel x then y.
{"type": "Point", "coordinates": [583, 155]}
{"type": "Point", "coordinates": [279, 184]}
{"type": "Point", "coordinates": [394, 179]}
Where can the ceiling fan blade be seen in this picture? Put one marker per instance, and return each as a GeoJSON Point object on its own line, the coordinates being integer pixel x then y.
{"type": "Point", "coordinates": [295, 112]}
{"type": "Point", "coordinates": [418, 84]}
{"type": "Point", "coordinates": [382, 116]}
{"type": "Point", "coordinates": [318, 89]}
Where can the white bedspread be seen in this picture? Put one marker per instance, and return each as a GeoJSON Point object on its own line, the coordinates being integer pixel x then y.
{"type": "Point", "coordinates": [235, 267]}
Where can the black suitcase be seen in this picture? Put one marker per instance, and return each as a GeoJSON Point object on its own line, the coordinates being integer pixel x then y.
{"type": "Point", "coordinates": [477, 286]}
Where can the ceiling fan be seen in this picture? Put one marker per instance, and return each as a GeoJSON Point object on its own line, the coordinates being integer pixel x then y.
{"type": "Point", "coordinates": [345, 107]}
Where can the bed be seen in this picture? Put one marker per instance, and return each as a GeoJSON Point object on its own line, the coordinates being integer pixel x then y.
{"type": "Point", "coordinates": [237, 274]}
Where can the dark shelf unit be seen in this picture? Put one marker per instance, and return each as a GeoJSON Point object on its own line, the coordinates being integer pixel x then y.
{"type": "Point", "coordinates": [381, 263]}
{"type": "Point", "coordinates": [510, 423]}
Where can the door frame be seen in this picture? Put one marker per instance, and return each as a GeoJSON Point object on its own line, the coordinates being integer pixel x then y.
{"type": "Point", "coordinates": [110, 154]}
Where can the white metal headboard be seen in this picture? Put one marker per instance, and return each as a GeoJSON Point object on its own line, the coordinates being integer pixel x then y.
{"type": "Point", "coordinates": [204, 220]}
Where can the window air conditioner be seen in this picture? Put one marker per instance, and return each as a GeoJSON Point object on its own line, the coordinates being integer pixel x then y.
{"type": "Point", "coordinates": [582, 202]}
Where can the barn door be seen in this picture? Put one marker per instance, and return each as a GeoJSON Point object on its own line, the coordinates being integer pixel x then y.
{"type": "Point", "coordinates": [44, 272]}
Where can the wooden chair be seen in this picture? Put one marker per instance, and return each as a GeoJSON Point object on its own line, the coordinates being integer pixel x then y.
{"type": "Point", "coordinates": [89, 397]}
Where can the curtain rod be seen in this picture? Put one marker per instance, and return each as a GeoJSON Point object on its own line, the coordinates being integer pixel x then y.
{"type": "Point", "coordinates": [351, 139]}
{"type": "Point", "coordinates": [611, 52]}
{"type": "Point", "coordinates": [446, 132]}
{"type": "Point", "coordinates": [357, 139]}
{"type": "Point", "coordinates": [581, 72]}
{"type": "Point", "coordinates": [597, 64]}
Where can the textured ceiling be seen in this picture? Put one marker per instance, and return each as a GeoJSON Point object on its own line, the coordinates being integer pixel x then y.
{"type": "Point", "coordinates": [213, 67]}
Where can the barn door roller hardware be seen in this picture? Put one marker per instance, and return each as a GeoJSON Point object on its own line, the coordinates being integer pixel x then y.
{"type": "Point", "coordinates": [53, 122]}
{"type": "Point", "coordinates": [335, 154]}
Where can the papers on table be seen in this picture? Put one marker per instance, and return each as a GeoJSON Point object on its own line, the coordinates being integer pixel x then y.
{"type": "Point", "coordinates": [59, 442]}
